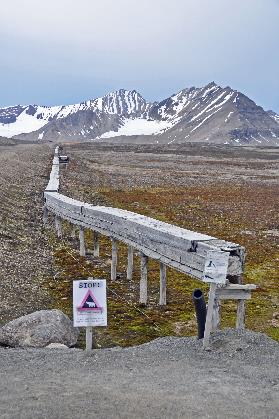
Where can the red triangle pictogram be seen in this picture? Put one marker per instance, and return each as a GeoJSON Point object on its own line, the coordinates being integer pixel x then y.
{"type": "Point", "coordinates": [90, 303]}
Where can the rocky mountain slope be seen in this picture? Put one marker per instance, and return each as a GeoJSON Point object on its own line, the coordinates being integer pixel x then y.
{"type": "Point", "coordinates": [274, 116]}
{"type": "Point", "coordinates": [208, 114]}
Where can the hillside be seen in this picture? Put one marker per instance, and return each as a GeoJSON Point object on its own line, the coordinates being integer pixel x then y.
{"type": "Point", "coordinates": [208, 114]}
{"type": "Point", "coordinates": [8, 141]}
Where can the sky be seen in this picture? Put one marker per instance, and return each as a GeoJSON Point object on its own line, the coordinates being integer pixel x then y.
{"type": "Point", "coordinates": [68, 51]}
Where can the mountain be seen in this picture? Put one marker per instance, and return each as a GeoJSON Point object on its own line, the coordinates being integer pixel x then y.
{"type": "Point", "coordinates": [274, 115]}
{"type": "Point", "coordinates": [206, 114]}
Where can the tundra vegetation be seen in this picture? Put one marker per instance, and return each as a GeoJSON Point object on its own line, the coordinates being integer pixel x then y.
{"type": "Point", "coordinates": [227, 192]}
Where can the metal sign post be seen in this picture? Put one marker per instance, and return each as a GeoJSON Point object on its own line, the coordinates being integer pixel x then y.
{"type": "Point", "coordinates": [89, 305]}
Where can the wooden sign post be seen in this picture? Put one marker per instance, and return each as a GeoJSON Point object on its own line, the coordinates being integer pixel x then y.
{"type": "Point", "coordinates": [215, 272]}
{"type": "Point", "coordinates": [89, 305]}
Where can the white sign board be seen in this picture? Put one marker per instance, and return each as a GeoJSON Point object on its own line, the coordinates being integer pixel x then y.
{"type": "Point", "coordinates": [216, 267]}
{"type": "Point", "coordinates": [90, 302]}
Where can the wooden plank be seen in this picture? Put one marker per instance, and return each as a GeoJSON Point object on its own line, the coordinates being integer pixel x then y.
{"type": "Point", "coordinates": [235, 287]}
{"type": "Point", "coordinates": [53, 183]}
{"type": "Point", "coordinates": [130, 265]}
{"type": "Point", "coordinates": [235, 291]}
{"type": "Point", "coordinates": [68, 214]}
{"type": "Point", "coordinates": [143, 278]}
{"type": "Point", "coordinates": [234, 294]}
{"type": "Point", "coordinates": [96, 245]}
{"type": "Point", "coordinates": [113, 259]}
{"type": "Point", "coordinates": [62, 202]}
{"type": "Point", "coordinates": [209, 315]}
{"type": "Point", "coordinates": [160, 232]}
{"type": "Point", "coordinates": [163, 285]}
{"type": "Point", "coordinates": [82, 249]}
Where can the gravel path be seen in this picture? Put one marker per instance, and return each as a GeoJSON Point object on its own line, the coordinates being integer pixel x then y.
{"type": "Point", "coordinates": [167, 378]}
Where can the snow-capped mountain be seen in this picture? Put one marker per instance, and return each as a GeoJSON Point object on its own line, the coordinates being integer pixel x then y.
{"type": "Point", "coordinates": [210, 113]}
{"type": "Point", "coordinates": [19, 119]}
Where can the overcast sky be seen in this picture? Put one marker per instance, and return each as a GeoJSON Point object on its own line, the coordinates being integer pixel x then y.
{"type": "Point", "coordinates": [66, 51]}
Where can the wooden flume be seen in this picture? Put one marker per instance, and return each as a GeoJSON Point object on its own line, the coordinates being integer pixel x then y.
{"type": "Point", "coordinates": [172, 246]}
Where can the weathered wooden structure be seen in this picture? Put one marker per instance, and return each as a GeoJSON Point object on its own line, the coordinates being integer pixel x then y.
{"type": "Point", "coordinates": [172, 246]}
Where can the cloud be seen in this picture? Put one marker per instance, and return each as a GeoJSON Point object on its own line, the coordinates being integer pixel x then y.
{"type": "Point", "coordinates": [157, 46]}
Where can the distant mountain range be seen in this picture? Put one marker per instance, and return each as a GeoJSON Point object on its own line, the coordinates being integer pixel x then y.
{"type": "Point", "coordinates": [207, 114]}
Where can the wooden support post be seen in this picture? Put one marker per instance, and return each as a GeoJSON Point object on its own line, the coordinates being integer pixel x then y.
{"type": "Point", "coordinates": [240, 317]}
{"type": "Point", "coordinates": [143, 279]}
{"type": "Point", "coordinates": [45, 215]}
{"type": "Point", "coordinates": [73, 232]}
{"type": "Point", "coordinates": [82, 249]}
{"type": "Point", "coordinates": [58, 228]}
{"type": "Point", "coordinates": [130, 266]}
{"type": "Point", "coordinates": [89, 338]}
{"type": "Point", "coordinates": [113, 259]}
{"type": "Point", "coordinates": [96, 245]}
{"type": "Point", "coordinates": [216, 314]}
{"type": "Point", "coordinates": [209, 315]}
{"type": "Point", "coordinates": [163, 285]}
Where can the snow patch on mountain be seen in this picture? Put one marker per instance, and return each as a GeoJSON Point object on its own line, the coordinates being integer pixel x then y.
{"type": "Point", "coordinates": [137, 126]}
{"type": "Point", "coordinates": [24, 124]}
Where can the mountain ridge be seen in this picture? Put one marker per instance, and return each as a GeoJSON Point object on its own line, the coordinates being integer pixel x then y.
{"type": "Point", "coordinates": [205, 114]}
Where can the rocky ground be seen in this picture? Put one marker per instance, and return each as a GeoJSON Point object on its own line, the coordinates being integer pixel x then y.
{"type": "Point", "coordinates": [167, 378]}
{"type": "Point", "coordinates": [229, 193]}
{"type": "Point", "coordinates": [25, 256]}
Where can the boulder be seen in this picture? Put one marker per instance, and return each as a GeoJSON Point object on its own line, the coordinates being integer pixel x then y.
{"type": "Point", "coordinates": [39, 329]}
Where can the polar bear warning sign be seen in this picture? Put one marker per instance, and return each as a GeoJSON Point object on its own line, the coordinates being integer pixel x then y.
{"type": "Point", "coordinates": [89, 302]}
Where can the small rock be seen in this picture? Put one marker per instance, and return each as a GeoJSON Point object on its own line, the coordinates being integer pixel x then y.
{"type": "Point", "coordinates": [39, 329]}
{"type": "Point", "coordinates": [275, 323]}
{"type": "Point", "coordinates": [57, 346]}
